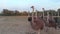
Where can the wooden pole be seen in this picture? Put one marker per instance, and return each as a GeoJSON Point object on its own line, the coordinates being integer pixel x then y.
{"type": "Point", "coordinates": [52, 15]}
{"type": "Point", "coordinates": [28, 14]}
{"type": "Point", "coordinates": [47, 17]}
{"type": "Point", "coordinates": [36, 13]}
{"type": "Point", "coordinates": [58, 14]}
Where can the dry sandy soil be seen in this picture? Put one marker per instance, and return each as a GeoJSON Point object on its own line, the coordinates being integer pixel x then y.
{"type": "Point", "coordinates": [19, 25]}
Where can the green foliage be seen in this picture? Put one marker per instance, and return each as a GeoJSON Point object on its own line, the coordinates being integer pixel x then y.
{"type": "Point", "coordinates": [58, 11]}
{"type": "Point", "coordinates": [7, 12]}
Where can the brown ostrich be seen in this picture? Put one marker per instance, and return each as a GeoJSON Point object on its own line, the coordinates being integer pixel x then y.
{"type": "Point", "coordinates": [37, 23]}
{"type": "Point", "coordinates": [50, 22]}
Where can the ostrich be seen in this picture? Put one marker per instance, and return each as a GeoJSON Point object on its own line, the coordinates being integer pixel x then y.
{"type": "Point", "coordinates": [50, 21]}
{"type": "Point", "coordinates": [37, 23]}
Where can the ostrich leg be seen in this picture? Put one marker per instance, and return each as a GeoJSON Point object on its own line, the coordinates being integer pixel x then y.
{"type": "Point", "coordinates": [38, 32]}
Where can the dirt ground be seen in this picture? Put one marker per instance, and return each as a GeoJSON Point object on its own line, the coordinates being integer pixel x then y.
{"type": "Point", "coordinates": [19, 25]}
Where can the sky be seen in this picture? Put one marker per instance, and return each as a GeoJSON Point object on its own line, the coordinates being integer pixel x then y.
{"type": "Point", "coordinates": [26, 4]}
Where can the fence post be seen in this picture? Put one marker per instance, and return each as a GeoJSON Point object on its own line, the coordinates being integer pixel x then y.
{"type": "Point", "coordinates": [48, 17]}
{"type": "Point", "coordinates": [28, 14]}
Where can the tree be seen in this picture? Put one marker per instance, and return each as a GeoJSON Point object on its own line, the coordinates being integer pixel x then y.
{"type": "Point", "coordinates": [52, 12]}
{"type": "Point", "coordinates": [17, 13]}
{"type": "Point", "coordinates": [58, 10]}
{"type": "Point", "coordinates": [25, 13]}
{"type": "Point", "coordinates": [7, 12]}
